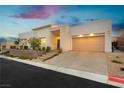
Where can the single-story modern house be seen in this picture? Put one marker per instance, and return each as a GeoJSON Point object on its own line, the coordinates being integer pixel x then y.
{"type": "Point", "coordinates": [94, 37]}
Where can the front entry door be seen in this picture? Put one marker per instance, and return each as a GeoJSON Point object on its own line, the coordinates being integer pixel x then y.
{"type": "Point", "coordinates": [58, 43]}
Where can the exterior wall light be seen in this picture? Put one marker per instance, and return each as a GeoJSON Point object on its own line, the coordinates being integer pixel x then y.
{"type": "Point", "coordinates": [80, 36]}
{"type": "Point", "coordinates": [44, 41]}
{"type": "Point", "coordinates": [91, 34]}
{"type": "Point", "coordinates": [58, 37]}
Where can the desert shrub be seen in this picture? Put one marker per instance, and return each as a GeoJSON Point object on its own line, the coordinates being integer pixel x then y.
{"type": "Point", "coordinates": [5, 53]}
{"type": "Point", "coordinates": [48, 49]}
{"type": "Point", "coordinates": [43, 48]}
{"type": "Point", "coordinates": [25, 47]}
{"type": "Point", "coordinates": [21, 47]}
{"type": "Point", "coordinates": [118, 62]}
{"type": "Point", "coordinates": [11, 55]}
{"type": "Point", "coordinates": [122, 68]}
{"type": "Point", "coordinates": [25, 57]}
{"type": "Point", "coordinates": [35, 43]}
{"type": "Point", "coordinates": [12, 47]}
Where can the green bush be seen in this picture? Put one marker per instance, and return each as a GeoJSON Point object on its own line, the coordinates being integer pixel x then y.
{"type": "Point", "coordinates": [25, 47]}
{"type": "Point", "coordinates": [118, 62]}
{"type": "Point", "coordinates": [35, 43]}
{"type": "Point", "coordinates": [11, 55]}
{"type": "Point", "coordinates": [48, 49]}
{"type": "Point", "coordinates": [21, 47]}
{"type": "Point", "coordinates": [25, 57]}
{"type": "Point", "coordinates": [43, 48]}
{"type": "Point", "coordinates": [122, 68]}
{"type": "Point", "coordinates": [5, 53]}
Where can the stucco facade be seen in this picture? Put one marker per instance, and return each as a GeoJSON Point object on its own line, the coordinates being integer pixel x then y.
{"type": "Point", "coordinates": [7, 45]}
{"type": "Point", "coordinates": [51, 33]}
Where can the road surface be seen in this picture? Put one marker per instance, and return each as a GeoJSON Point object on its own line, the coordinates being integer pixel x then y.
{"type": "Point", "coordinates": [19, 75]}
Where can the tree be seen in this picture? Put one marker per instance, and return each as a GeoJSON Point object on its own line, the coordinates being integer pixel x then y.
{"type": "Point", "coordinates": [35, 43]}
{"type": "Point", "coordinates": [17, 42]}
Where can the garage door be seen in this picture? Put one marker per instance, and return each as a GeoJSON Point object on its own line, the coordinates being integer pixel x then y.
{"type": "Point", "coordinates": [88, 44]}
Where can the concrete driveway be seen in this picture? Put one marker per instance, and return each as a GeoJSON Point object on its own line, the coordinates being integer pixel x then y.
{"type": "Point", "coordinates": [85, 61]}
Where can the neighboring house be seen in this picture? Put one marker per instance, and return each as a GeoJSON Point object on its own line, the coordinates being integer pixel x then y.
{"type": "Point", "coordinates": [94, 37]}
{"type": "Point", "coordinates": [117, 35]}
{"type": "Point", "coordinates": [7, 45]}
{"type": "Point", "coordinates": [24, 37]}
{"type": "Point", "coordinates": [121, 42]}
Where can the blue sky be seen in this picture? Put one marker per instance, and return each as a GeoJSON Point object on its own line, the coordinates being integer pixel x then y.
{"type": "Point", "coordinates": [17, 19]}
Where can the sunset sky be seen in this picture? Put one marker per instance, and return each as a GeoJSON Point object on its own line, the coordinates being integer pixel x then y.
{"type": "Point", "coordinates": [17, 19]}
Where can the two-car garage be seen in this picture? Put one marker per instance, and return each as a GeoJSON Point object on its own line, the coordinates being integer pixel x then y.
{"type": "Point", "coordinates": [88, 44]}
{"type": "Point", "coordinates": [94, 37]}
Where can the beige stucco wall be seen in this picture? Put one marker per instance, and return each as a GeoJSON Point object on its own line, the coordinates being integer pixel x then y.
{"type": "Point", "coordinates": [96, 27]}
{"type": "Point", "coordinates": [53, 41]}
{"type": "Point", "coordinates": [65, 38]}
{"type": "Point", "coordinates": [44, 33]}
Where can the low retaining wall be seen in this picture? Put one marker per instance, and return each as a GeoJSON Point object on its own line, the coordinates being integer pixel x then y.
{"type": "Point", "coordinates": [25, 53]}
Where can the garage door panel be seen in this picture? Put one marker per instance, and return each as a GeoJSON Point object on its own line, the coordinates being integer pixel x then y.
{"type": "Point", "coordinates": [93, 44]}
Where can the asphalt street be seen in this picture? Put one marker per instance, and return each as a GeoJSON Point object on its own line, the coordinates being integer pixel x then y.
{"type": "Point", "coordinates": [19, 75]}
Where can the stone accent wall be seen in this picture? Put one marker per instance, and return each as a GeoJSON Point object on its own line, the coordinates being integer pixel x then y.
{"type": "Point", "coordinates": [25, 53]}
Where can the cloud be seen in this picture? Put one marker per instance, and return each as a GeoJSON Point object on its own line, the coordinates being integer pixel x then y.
{"type": "Point", "coordinates": [38, 12]}
{"type": "Point", "coordinates": [68, 20]}
{"type": "Point", "coordinates": [74, 20]}
{"type": "Point", "coordinates": [91, 19]}
{"type": "Point", "coordinates": [33, 15]}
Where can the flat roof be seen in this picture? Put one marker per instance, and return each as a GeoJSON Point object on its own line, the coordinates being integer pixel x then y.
{"type": "Point", "coordinates": [45, 26]}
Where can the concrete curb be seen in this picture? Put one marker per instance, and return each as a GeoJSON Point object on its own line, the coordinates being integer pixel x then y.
{"type": "Point", "coordinates": [78, 73]}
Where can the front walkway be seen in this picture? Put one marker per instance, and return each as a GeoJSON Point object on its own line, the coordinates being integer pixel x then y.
{"type": "Point", "coordinates": [84, 61]}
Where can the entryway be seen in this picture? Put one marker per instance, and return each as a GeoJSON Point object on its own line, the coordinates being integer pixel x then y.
{"type": "Point", "coordinates": [55, 39]}
{"type": "Point", "coordinates": [58, 43]}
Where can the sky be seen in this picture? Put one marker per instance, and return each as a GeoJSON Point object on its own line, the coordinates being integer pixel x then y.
{"type": "Point", "coordinates": [22, 18]}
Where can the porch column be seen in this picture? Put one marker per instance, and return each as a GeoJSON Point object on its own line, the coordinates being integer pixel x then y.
{"type": "Point", "coordinates": [65, 38]}
{"type": "Point", "coordinates": [108, 41]}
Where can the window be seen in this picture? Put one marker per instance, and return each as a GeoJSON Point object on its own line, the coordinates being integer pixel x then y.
{"type": "Point", "coordinates": [43, 42]}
